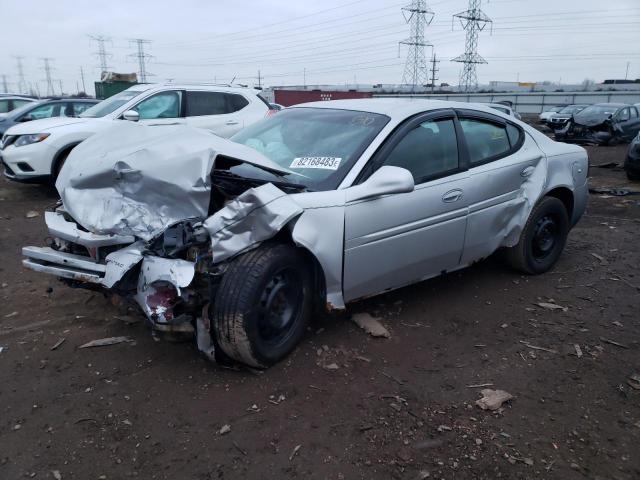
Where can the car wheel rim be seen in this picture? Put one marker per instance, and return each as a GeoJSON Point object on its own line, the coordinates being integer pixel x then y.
{"type": "Point", "coordinates": [279, 306]}
{"type": "Point", "coordinates": [545, 236]}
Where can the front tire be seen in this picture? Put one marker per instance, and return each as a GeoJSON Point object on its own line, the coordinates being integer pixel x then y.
{"type": "Point", "coordinates": [263, 305]}
{"type": "Point", "coordinates": [543, 238]}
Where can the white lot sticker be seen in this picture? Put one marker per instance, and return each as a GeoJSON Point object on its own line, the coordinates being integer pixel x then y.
{"type": "Point", "coordinates": [326, 163]}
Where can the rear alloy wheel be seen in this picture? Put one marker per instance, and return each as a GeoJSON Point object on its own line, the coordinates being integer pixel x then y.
{"type": "Point", "coordinates": [543, 238]}
{"type": "Point", "coordinates": [263, 305]}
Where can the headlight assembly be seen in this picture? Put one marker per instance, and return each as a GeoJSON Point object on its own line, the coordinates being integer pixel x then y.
{"type": "Point", "coordinates": [29, 139]}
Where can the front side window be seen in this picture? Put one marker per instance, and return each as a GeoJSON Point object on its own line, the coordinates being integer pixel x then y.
{"type": "Point", "coordinates": [161, 105]}
{"type": "Point", "coordinates": [4, 106]}
{"type": "Point", "coordinates": [427, 151]}
{"type": "Point", "coordinates": [623, 115]}
{"type": "Point", "coordinates": [206, 103]}
{"type": "Point", "coordinates": [44, 111]}
{"type": "Point", "coordinates": [318, 145]}
{"type": "Point", "coordinates": [81, 107]}
{"type": "Point", "coordinates": [20, 103]}
{"type": "Point", "coordinates": [485, 140]}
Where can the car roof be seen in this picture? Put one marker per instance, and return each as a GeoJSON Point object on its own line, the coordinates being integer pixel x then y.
{"type": "Point", "coordinates": [143, 87]}
{"type": "Point", "coordinates": [17, 97]}
{"type": "Point", "coordinates": [611, 104]}
{"type": "Point", "coordinates": [398, 107]}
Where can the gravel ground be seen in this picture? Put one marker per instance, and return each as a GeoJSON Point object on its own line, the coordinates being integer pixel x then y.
{"type": "Point", "coordinates": [402, 407]}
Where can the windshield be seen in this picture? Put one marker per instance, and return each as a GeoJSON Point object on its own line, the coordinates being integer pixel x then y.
{"type": "Point", "coordinates": [572, 109]}
{"type": "Point", "coordinates": [107, 106]}
{"type": "Point", "coordinates": [319, 145]}
{"type": "Point", "coordinates": [600, 110]}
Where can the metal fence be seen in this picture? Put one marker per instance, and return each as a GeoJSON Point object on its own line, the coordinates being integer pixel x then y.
{"type": "Point", "coordinates": [533, 102]}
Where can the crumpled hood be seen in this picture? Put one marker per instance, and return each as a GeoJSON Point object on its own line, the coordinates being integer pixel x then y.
{"type": "Point", "coordinates": [137, 180]}
{"type": "Point", "coordinates": [589, 120]}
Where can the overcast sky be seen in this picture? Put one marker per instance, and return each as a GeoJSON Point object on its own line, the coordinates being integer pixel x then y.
{"type": "Point", "coordinates": [334, 41]}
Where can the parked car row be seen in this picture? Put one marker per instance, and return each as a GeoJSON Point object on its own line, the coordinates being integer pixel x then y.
{"type": "Point", "coordinates": [36, 151]}
{"type": "Point", "coordinates": [600, 123]}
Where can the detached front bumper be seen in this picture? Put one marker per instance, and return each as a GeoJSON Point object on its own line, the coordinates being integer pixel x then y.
{"type": "Point", "coordinates": [116, 265]}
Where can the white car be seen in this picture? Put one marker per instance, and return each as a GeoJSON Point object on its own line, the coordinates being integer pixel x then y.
{"type": "Point", "coordinates": [11, 102]}
{"type": "Point", "coordinates": [35, 151]}
{"type": "Point", "coordinates": [506, 109]}
{"type": "Point", "coordinates": [547, 113]}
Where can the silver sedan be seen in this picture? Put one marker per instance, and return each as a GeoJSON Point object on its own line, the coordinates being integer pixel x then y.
{"type": "Point", "coordinates": [238, 242]}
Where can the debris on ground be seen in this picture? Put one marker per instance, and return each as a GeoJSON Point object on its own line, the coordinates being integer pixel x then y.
{"type": "Point", "coordinates": [617, 192]}
{"type": "Point", "coordinates": [225, 429]}
{"type": "Point", "coordinates": [493, 399]}
{"type": "Point", "coordinates": [613, 342]}
{"type": "Point", "coordinates": [2, 348]}
{"type": "Point", "coordinates": [634, 381]}
{"type": "Point", "coordinates": [58, 343]}
{"type": "Point", "coordinates": [535, 347]}
{"type": "Point", "coordinates": [104, 342]}
{"type": "Point", "coordinates": [295, 451]}
{"type": "Point", "coordinates": [56, 474]}
{"type": "Point", "coordinates": [32, 214]}
{"type": "Point", "coordinates": [12, 314]}
{"type": "Point", "coordinates": [605, 165]}
{"type": "Point", "coordinates": [600, 258]}
{"type": "Point", "coordinates": [578, 350]}
{"type": "Point", "coordinates": [552, 306]}
{"type": "Point", "coordinates": [331, 366]}
{"type": "Point", "coordinates": [370, 324]}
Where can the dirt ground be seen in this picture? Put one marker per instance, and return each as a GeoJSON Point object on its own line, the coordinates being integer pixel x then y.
{"type": "Point", "coordinates": [402, 407]}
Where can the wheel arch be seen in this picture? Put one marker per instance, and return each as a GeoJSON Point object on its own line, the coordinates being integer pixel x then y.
{"type": "Point", "coordinates": [60, 154]}
{"type": "Point", "coordinates": [565, 195]}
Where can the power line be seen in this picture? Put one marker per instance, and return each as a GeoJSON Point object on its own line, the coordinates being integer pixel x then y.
{"type": "Point", "coordinates": [473, 20]}
{"type": "Point", "coordinates": [84, 89]}
{"type": "Point", "coordinates": [47, 72]}
{"type": "Point", "coordinates": [434, 70]}
{"type": "Point", "coordinates": [142, 58]}
{"type": "Point", "coordinates": [102, 51]}
{"type": "Point", "coordinates": [22, 84]}
{"type": "Point", "coordinates": [418, 16]}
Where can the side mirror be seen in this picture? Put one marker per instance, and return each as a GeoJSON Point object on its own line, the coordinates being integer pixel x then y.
{"type": "Point", "coordinates": [26, 118]}
{"type": "Point", "coordinates": [386, 180]}
{"type": "Point", "coordinates": [131, 115]}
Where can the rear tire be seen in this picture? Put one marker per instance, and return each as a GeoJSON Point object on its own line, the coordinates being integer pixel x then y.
{"type": "Point", "coordinates": [543, 238]}
{"type": "Point", "coordinates": [634, 177]}
{"type": "Point", "coordinates": [263, 305]}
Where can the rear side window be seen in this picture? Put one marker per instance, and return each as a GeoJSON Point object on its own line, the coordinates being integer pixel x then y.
{"type": "Point", "coordinates": [514, 135]}
{"type": "Point", "coordinates": [485, 140]}
{"type": "Point", "coordinates": [634, 112]}
{"type": "Point", "coordinates": [623, 115]}
{"type": "Point", "coordinates": [427, 151]}
{"type": "Point", "coordinates": [206, 103]}
{"type": "Point", "coordinates": [4, 106]}
{"type": "Point", "coordinates": [236, 102]}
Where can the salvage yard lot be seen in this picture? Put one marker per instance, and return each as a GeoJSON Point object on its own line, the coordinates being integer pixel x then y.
{"type": "Point", "coordinates": [393, 408]}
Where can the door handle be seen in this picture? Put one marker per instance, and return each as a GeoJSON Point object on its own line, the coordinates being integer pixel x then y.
{"type": "Point", "coordinates": [452, 196]}
{"type": "Point", "coordinates": [527, 172]}
{"type": "Point", "coordinates": [233, 122]}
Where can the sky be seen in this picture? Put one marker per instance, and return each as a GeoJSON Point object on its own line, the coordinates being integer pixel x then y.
{"type": "Point", "coordinates": [317, 42]}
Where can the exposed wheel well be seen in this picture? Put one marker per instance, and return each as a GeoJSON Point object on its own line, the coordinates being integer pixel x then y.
{"type": "Point", "coordinates": [319, 284]}
{"type": "Point", "coordinates": [565, 196]}
{"type": "Point", "coordinates": [62, 154]}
